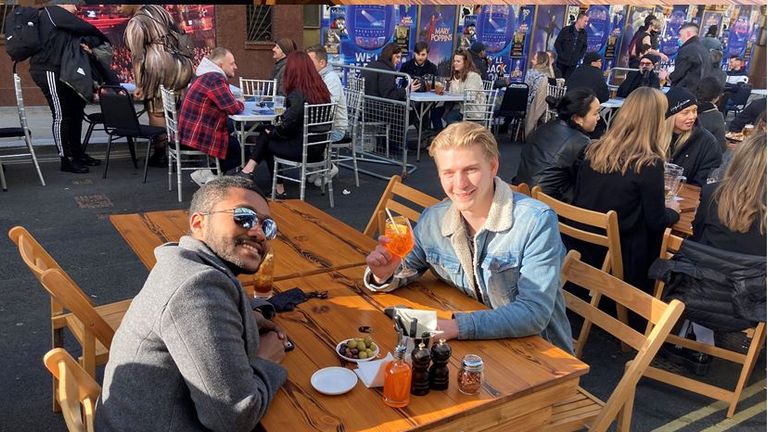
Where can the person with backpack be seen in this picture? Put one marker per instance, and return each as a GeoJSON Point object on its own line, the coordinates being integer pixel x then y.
{"type": "Point", "coordinates": [59, 28]}
{"type": "Point", "coordinates": [161, 54]}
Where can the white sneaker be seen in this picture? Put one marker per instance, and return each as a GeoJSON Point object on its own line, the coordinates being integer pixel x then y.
{"type": "Point", "coordinates": [313, 178]}
{"type": "Point", "coordinates": [328, 177]}
{"type": "Point", "coordinates": [202, 176]}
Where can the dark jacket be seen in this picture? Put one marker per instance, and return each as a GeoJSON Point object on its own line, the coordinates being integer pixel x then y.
{"type": "Point", "coordinates": [58, 27]}
{"type": "Point", "coordinates": [590, 77]}
{"type": "Point", "coordinates": [571, 44]}
{"type": "Point", "coordinates": [638, 198]}
{"type": "Point", "coordinates": [708, 230]}
{"type": "Point", "coordinates": [289, 133]}
{"type": "Point", "coordinates": [549, 158]}
{"type": "Point", "coordinates": [698, 156]}
{"type": "Point", "coordinates": [415, 70]}
{"type": "Point", "coordinates": [381, 84]}
{"type": "Point", "coordinates": [691, 65]}
{"type": "Point", "coordinates": [724, 291]}
{"type": "Point", "coordinates": [711, 119]}
{"type": "Point", "coordinates": [481, 64]}
{"type": "Point", "coordinates": [277, 75]}
{"type": "Point", "coordinates": [635, 79]}
{"type": "Point", "coordinates": [748, 115]}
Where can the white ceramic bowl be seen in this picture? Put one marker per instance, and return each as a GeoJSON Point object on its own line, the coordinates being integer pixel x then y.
{"type": "Point", "coordinates": [344, 342]}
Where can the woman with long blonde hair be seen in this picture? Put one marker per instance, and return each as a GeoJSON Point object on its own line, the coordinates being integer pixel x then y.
{"type": "Point", "coordinates": [537, 79]}
{"type": "Point", "coordinates": [624, 171]}
{"type": "Point", "coordinates": [731, 215]}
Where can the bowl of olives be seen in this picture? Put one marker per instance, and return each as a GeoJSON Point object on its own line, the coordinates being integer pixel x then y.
{"type": "Point", "coordinates": [359, 349]}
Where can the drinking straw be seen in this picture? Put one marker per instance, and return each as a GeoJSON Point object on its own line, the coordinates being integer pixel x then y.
{"type": "Point", "coordinates": [392, 219]}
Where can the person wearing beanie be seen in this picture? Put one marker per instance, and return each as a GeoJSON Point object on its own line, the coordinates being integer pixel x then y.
{"type": "Point", "coordinates": [571, 44]}
{"type": "Point", "coordinates": [692, 62]}
{"type": "Point", "coordinates": [280, 51]}
{"type": "Point", "coordinates": [479, 59]}
{"type": "Point", "coordinates": [645, 77]}
{"type": "Point", "coordinates": [692, 147]}
{"type": "Point", "coordinates": [590, 75]}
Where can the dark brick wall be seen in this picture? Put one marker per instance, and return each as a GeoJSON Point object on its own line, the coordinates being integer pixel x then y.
{"type": "Point", "coordinates": [253, 60]}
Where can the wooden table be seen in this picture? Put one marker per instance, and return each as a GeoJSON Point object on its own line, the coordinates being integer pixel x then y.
{"type": "Point", "coordinates": [690, 202]}
{"type": "Point", "coordinates": [309, 240]}
{"type": "Point", "coordinates": [524, 377]}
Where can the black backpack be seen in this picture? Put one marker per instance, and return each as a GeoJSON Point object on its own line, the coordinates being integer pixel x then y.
{"type": "Point", "coordinates": [22, 37]}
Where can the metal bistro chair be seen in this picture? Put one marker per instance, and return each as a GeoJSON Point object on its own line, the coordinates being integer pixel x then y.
{"type": "Point", "coordinates": [556, 91]}
{"type": "Point", "coordinates": [318, 122]}
{"type": "Point", "coordinates": [256, 87]}
{"type": "Point", "coordinates": [354, 104]}
{"type": "Point", "coordinates": [120, 121]}
{"type": "Point", "coordinates": [367, 131]}
{"type": "Point", "coordinates": [19, 132]}
{"type": "Point", "coordinates": [177, 154]}
{"type": "Point", "coordinates": [478, 106]}
{"type": "Point", "coordinates": [514, 105]}
{"type": "Point", "coordinates": [487, 85]}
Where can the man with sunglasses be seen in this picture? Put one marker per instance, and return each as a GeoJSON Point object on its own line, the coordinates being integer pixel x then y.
{"type": "Point", "coordinates": [645, 77]}
{"type": "Point", "coordinates": [190, 353]}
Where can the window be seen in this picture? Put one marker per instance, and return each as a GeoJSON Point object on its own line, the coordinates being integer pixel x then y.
{"type": "Point", "coordinates": [312, 16]}
{"type": "Point", "coordinates": [259, 23]}
{"type": "Point", "coordinates": [5, 10]}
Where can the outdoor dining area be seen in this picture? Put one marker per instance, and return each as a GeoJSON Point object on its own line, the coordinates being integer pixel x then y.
{"type": "Point", "coordinates": [395, 245]}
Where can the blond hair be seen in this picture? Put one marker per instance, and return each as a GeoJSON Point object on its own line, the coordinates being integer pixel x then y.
{"type": "Point", "coordinates": [681, 139]}
{"type": "Point", "coordinates": [638, 135]}
{"type": "Point", "coordinates": [740, 196]}
{"type": "Point", "coordinates": [465, 135]}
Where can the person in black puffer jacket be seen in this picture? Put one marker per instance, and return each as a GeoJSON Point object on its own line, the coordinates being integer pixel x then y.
{"type": "Point", "coordinates": [384, 85]}
{"type": "Point", "coordinates": [551, 153]}
{"type": "Point", "coordinates": [692, 147]}
{"type": "Point", "coordinates": [590, 75]}
{"type": "Point", "coordinates": [692, 62]}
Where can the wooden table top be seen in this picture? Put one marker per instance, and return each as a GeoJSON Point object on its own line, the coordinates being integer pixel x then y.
{"type": "Point", "coordinates": [524, 376]}
{"type": "Point", "coordinates": [690, 195]}
{"type": "Point", "coordinates": [309, 240]}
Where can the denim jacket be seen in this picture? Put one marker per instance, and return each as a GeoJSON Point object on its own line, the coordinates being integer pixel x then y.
{"type": "Point", "coordinates": [516, 267]}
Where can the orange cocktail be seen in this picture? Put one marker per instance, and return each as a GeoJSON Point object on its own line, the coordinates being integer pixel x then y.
{"type": "Point", "coordinates": [400, 236]}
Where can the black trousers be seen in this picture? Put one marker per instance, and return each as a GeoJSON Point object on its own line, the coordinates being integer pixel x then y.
{"type": "Point", "coordinates": [566, 70]}
{"type": "Point", "coordinates": [268, 146]}
{"type": "Point", "coordinates": [67, 112]}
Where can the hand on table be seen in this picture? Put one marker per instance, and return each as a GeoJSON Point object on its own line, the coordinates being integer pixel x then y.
{"type": "Point", "coordinates": [271, 347]}
{"type": "Point", "coordinates": [449, 327]}
{"type": "Point", "coordinates": [381, 262]}
{"type": "Point", "coordinates": [674, 205]}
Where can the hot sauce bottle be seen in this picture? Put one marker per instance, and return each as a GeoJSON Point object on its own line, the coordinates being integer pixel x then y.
{"type": "Point", "coordinates": [397, 380]}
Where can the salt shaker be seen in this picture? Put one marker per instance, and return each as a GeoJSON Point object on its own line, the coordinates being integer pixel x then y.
{"type": "Point", "coordinates": [470, 375]}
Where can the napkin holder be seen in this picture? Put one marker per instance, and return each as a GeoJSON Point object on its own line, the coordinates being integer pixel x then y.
{"type": "Point", "coordinates": [371, 373]}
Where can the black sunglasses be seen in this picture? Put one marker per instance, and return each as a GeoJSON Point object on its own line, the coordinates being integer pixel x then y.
{"type": "Point", "coordinates": [248, 219]}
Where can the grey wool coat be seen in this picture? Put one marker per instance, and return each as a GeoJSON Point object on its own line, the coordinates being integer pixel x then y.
{"type": "Point", "coordinates": [184, 357]}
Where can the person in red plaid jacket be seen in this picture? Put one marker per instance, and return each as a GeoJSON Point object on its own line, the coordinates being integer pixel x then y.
{"type": "Point", "coordinates": [203, 117]}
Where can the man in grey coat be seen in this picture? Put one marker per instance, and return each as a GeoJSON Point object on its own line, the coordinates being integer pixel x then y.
{"type": "Point", "coordinates": [192, 352]}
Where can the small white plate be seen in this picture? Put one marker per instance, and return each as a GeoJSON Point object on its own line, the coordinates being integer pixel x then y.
{"type": "Point", "coordinates": [333, 380]}
{"type": "Point", "coordinates": [372, 357]}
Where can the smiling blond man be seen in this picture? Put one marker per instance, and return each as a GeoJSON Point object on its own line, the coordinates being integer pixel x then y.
{"type": "Point", "coordinates": [498, 247]}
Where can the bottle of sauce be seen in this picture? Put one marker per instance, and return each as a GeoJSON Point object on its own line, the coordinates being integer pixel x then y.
{"type": "Point", "coordinates": [397, 380]}
{"type": "Point", "coordinates": [438, 372]}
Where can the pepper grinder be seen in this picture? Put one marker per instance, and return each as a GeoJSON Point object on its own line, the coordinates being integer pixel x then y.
{"type": "Point", "coordinates": [438, 372]}
{"type": "Point", "coordinates": [420, 360]}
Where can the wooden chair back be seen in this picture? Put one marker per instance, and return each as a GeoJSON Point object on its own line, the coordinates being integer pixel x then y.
{"type": "Point", "coordinates": [77, 390]}
{"type": "Point", "coordinates": [612, 263]}
{"type": "Point", "coordinates": [62, 288]}
{"type": "Point", "coordinates": [394, 198]}
{"type": "Point", "coordinates": [670, 245]}
{"type": "Point", "coordinates": [36, 258]}
{"type": "Point", "coordinates": [522, 188]}
{"type": "Point", "coordinates": [661, 314]}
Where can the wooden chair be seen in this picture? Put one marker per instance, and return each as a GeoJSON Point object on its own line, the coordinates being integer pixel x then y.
{"type": "Point", "coordinates": [68, 296]}
{"type": "Point", "coordinates": [397, 190]}
{"type": "Point", "coordinates": [583, 409]}
{"type": "Point", "coordinates": [612, 263]}
{"type": "Point", "coordinates": [77, 390]}
{"type": "Point", "coordinates": [669, 246]}
{"type": "Point", "coordinates": [522, 188]}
